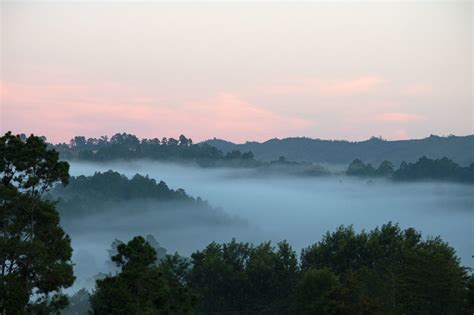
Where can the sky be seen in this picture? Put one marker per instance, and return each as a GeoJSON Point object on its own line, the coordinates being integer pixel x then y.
{"type": "Point", "coordinates": [237, 71]}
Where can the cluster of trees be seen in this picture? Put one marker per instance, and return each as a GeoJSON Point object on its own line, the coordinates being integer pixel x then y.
{"type": "Point", "coordinates": [112, 185]}
{"type": "Point", "coordinates": [35, 253]}
{"type": "Point", "coordinates": [442, 169]}
{"type": "Point", "coordinates": [127, 146]}
{"type": "Point", "coordinates": [374, 150]}
{"type": "Point", "coordinates": [384, 271]}
{"type": "Point", "coordinates": [423, 169]}
{"type": "Point", "coordinates": [358, 168]}
{"type": "Point", "coordinates": [101, 192]}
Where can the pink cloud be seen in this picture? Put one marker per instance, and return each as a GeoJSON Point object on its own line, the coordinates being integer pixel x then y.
{"type": "Point", "coordinates": [399, 117]}
{"type": "Point", "coordinates": [401, 134]}
{"type": "Point", "coordinates": [342, 87]}
{"type": "Point", "coordinates": [417, 89]}
{"type": "Point", "coordinates": [228, 113]}
{"type": "Point", "coordinates": [62, 111]}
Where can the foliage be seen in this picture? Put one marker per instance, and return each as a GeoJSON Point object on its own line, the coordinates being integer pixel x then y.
{"type": "Point", "coordinates": [127, 146]}
{"type": "Point", "coordinates": [438, 169]}
{"type": "Point", "coordinates": [374, 150]}
{"type": "Point", "coordinates": [385, 271]}
{"type": "Point", "coordinates": [423, 169]}
{"type": "Point", "coordinates": [35, 253]}
{"type": "Point", "coordinates": [79, 303]}
{"type": "Point", "coordinates": [379, 272]}
{"type": "Point", "coordinates": [140, 287]}
{"type": "Point", "coordinates": [111, 191]}
{"type": "Point", "coordinates": [316, 292]}
{"type": "Point", "coordinates": [111, 185]}
{"type": "Point", "coordinates": [240, 278]}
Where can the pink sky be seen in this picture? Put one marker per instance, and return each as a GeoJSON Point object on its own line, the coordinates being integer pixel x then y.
{"type": "Point", "coordinates": [236, 71]}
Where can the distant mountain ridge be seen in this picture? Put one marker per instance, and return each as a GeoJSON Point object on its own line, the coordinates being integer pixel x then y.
{"type": "Point", "coordinates": [375, 150]}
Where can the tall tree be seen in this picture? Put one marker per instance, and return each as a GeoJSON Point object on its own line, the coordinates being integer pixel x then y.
{"type": "Point", "coordinates": [140, 287]}
{"type": "Point", "coordinates": [35, 253]}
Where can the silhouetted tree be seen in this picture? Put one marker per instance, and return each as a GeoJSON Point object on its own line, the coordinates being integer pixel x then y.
{"type": "Point", "coordinates": [385, 169]}
{"type": "Point", "coordinates": [35, 253]}
{"type": "Point", "coordinates": [140, 287]}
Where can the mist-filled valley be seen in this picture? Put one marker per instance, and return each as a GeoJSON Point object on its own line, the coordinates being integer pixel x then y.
{"type": "Point", "coordinates": [252, 208]}
{"type": "Point", "coordinates": [237, 158]}
{"type": "Point", "coordinates": [191, 230]}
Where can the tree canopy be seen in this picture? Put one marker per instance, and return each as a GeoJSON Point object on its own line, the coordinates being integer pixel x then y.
{"type": "Point", "coordinates": [424, 169]}
{"type": "Point", "coordinates": [140, 287]}
{"type": "Point", "coordinates": [35, 253]}
{"type": "Point", "coordinates": [126, 146]}
{"type": "Point", "coordinates": [383, 271]}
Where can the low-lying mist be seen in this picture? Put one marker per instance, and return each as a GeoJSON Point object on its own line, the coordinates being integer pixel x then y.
{"type": "Point", "coordinates": [256, 209]}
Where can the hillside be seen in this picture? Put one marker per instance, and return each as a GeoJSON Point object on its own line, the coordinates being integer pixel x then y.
{"type": "Point", "coordinates": [112, 195]}
{"type": "Point", "coordinates": [375, 150]}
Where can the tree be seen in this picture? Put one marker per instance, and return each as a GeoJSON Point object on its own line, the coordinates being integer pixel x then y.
{"type": "Point", "coordinates": [140, 287]}
{"type": "Point", "coordinates": [218, 277]}
{"type": "Point", "coordinates": [238, 278]}
{"type": "Point", "coordinates": [385, 271]}
{"type": "Point", "coordinates": [35, 253]}
{"type": "Point", "coordinates": [247, 155]}
{"type": "Point", "coordinates": [78, 303]}
{"type": "Point", "coordinates": [385, 169]}
{"type": "Point", "coordinates": [357, 167]}
{"type": "Point", "coordinates": [316, 292]}
{"type": "Point", "coordinates": [173, 142]}
{"type": "Point", "coordinates": [79, 142]}
{"type": "Point", "coordinates": [183, 141]}
{"type": "Point", "coordinates": [235, 154]}
{"type": "Point", "coordinates": [272, 275]}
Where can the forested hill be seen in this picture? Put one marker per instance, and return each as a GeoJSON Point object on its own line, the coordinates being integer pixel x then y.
{"type": "Point", "coordinates": [114, 194]}
{"type": "Point", "coordinates": [374, 150]}
{"type": "Point", "coordinates": [111, 185]}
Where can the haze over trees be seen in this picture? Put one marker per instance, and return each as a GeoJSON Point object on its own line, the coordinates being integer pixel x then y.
{"type": "Point", "coordinates": [141, 287]}
{"type": "Point", "coordinates": [113, 193]}
{"type": "Point", "coordinates": [423, 169]}
{"type": "Point", "coordinates": [125, 146]}
{"type": "Point", "coordinates": [374, 150]}
{"type": "Point", "coordinates": [218, 153]}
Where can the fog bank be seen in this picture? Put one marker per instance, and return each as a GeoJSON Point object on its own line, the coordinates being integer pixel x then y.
{"type": "Point", "coordinates": [299, 210]}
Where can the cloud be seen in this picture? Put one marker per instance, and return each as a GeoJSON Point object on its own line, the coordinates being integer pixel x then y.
{"type": "Point", "coordinates": [60, 112]}
{"type": "Point", "coordinates": [399, 117]}
{"type": "Point", "coordinates": [230, 112]}
{"type": "Point", "coordinates": [417, 89]}
{"type": "Point", "coordinates": [401, 134]}
{"type": "Point", "coordinates": [342, 87]}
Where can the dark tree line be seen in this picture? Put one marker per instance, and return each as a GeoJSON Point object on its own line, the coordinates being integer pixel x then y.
{"type": "Point", "coordinates": [127, 146]}
{"type": "Point", "coordinates": [423, 169]}
{"type": "Point", "coordinates": [113, 185]}
{"type": "Point", "coordinates": [88, 195]}
{"type": "Point", "coordinates": [385, 271]}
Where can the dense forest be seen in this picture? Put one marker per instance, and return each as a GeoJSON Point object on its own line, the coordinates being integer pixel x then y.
{"type": "Point", "coordinates": [124, 146]}
{"type": "Point", "coordinates": [423, 169]}
{"type": "Point", "coordinates": [374, 150]}
{"type": "Point", "coordinates": [383, 271]}
{"type": "Point", "coordinates": [112, 185]}
{"type": "Point", "coordinates": [114, 193]}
